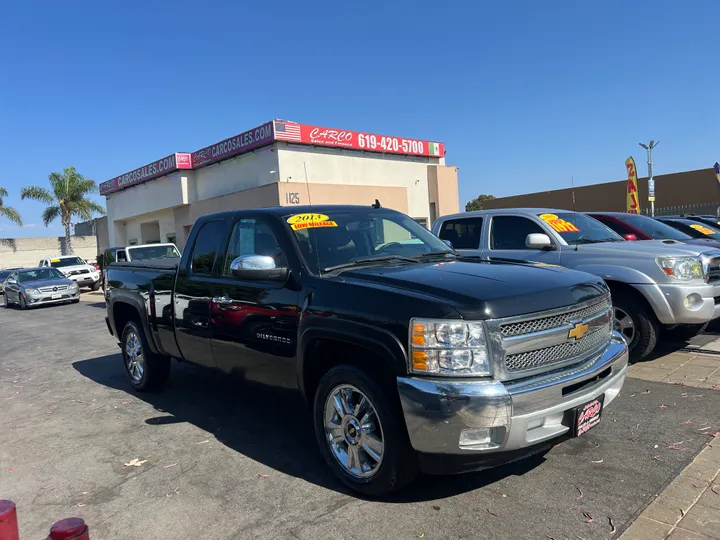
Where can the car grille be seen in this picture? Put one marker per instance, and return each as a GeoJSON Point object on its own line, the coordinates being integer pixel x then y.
{"type": "Point", "coordinates": [55, 288]}
{"type": "Point", "coordinates": [76, 272]}
{"type": "Point", "coordinates": [558, 353]}
{"type": "Point", "coordinates": [714, 270]}
{"type": "Point", "coordinates": [519, 355]}
{"type": "Point", "coordinates": [552, 321]}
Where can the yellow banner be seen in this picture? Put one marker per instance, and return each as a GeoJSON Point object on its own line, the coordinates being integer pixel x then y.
{"type": "Point", "coordinates": [632, 206]}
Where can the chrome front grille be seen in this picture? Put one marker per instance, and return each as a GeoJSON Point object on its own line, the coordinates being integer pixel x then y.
{"type": "Point", "coordinates": [541, 342]}
{"type": "Point", "coordinates": [558, 353]}
{"type": "Point", "coordinates": [56, 288]}
{"type": "Point", "coordinates": [714, 270]}
{"type": "Point", "coordinates": [552, 321]}
{"type": "Point", "coordinates": [77, 272]}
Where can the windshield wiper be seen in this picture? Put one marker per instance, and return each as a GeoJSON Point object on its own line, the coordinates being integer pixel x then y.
{"type": "Point", "coordinates": [365, 260]}
{"type": "Point", "coordinates": [437, 253]}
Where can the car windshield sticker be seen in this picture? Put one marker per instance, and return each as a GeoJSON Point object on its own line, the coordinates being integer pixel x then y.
{"type": "Point", "coordinates": [310, 221]}
{"type": "Point", "coordinates": [558, 224]}
{"type": "Point", "coordinates": [703, 229]}
{"type": "Point", "coordinates": [54, 260]}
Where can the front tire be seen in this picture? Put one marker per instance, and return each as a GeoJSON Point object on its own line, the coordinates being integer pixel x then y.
{"type": "Point", "coordinates": [361, 433]}
{"type": "Point", "coordinates": [147, 371]}
{"type": "Point", "coordinates": [95, 286]}
{"type": "Point", "coordinates": [6, 301]}
{"type": "Point", "coordinates": [637, 324]}
{"type": "Point", "coordinates": [23, 304]}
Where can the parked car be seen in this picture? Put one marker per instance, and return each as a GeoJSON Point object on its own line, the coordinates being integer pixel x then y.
{"type": "Point", "coordinates": [30, 287]}
{"type": "Point", "coordinates": [653, 285]}
{"type": "Point", "coordinates": [3, 276]}
{"type": "Point", "coordinates": [692, 228]}
{"type": "Point", "coordinates": [707, 219]}
{"type": "Point", "coordinates": [639, 227]}
{"type": "Point", "coordinates": [411, 357]}
{"type": "Point", "coordinates": [74, 268]}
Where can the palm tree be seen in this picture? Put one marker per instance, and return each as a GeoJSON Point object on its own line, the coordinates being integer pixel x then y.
{"type": "Point", "coordinates": [67, 197]}
{"type": "Point", "coordinates": [8, 212]}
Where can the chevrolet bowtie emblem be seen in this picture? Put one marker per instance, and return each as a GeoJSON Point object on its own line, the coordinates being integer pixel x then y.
{"type": "Point", "coordinates": [578, 331]}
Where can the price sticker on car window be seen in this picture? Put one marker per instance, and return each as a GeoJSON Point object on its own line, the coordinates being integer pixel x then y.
{"type": "Point", "coordinates": [558, 224]}
{"type": "Point", "coordinates": [54, 260]}
{"type": "Point", "coordinates": [310, 221]}
{"type": "Point", "coordinates": [702, 229]}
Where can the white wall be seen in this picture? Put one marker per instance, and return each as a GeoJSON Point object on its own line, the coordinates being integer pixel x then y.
{"type": "Point", "coordinates": [125, 231]}
{"type": "Point", "coordinates": [159, 194]}
{"type": "Point", "coordinates": [247, 171]}
{"type": "Point", "coordinates": [28, 251]}
{"type": "Point", "coordinates": [337, 166]}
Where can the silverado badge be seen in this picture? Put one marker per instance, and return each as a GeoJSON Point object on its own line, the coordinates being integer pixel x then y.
{"type": "Point", "coordinates": [578, 331]}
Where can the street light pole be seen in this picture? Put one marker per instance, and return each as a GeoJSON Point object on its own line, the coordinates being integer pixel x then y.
{"type": "Point", "coordinates": [651, 181]}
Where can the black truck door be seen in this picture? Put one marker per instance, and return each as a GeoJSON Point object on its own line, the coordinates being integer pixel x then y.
{"type": "Point", "coordinates": [194, 291]}
{"type": "Point", "coordinates": [255, 322]}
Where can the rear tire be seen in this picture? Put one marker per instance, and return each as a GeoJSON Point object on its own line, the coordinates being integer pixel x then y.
{"type": "Point", "coordinates": [645, 327]}
{"type": "Point", "coordinates": [147, 371]}
{"type": "Point", "coordinates": [684, 332]}
{"type": "Point", "coordinates": [397, 466]}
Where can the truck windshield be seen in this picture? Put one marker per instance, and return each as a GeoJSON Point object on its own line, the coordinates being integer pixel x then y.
{"type": "Point", "coordinates": [578, 228]}
{"type": "Point", "coordinates": [654, 228]}
{"type": "Point", "coordinates": [66, 261]}
{"type": "Point", "coordinates": [695, 229]}
{"type": "Point", "coordinates": [152, 252]}
{"type": "Point", "coordinates": [348, 238]}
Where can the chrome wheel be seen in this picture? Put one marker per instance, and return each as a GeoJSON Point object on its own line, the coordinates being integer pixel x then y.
{"type": "Point", "coordinates": [353, 431]}
{"type": "Point", "coordinates": [134, 358]}
{"type": "Point", "coordinates": [623, 323]}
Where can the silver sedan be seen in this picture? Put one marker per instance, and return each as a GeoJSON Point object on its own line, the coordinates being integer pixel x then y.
{"type": "Point", "coordinates": [29, 287]}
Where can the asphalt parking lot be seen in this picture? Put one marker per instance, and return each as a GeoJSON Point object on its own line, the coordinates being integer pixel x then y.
{"type": "Point", "coordinates": [223, 460]}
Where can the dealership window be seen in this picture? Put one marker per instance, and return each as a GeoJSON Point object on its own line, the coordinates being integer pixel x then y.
{"type": "Point", "coordinates": [462, 233]}
{"type": "Point", "coordinates": [510, 232]}
{"type": "Point", "coordinates": [172, 238]}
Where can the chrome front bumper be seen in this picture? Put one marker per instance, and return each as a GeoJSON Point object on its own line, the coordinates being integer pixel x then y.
{"type": "Point", "coordinates": [525, 413]}
{"type": "Point", "coordinates": [668, 302]}
{"type": "Point", "coordinates": [45, 299]}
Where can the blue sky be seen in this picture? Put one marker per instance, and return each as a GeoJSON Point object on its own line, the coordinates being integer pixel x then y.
{"type": "Point", "coordinates": [525, 94]}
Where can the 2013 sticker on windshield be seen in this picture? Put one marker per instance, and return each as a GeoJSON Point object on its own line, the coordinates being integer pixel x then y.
{"type": "Point", "coordinates": [310, 221]}
{"type": "Point", "coordinates": [558, 224]}
{"type": "Point", "coordinates": [703, 229]}
{"type": "Point", "coordinates": [54, 260]}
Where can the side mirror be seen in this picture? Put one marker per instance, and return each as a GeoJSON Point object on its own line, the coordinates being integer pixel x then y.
{"type": "Point", "coordinates": [11, 281]}
{"type": "Point", "coordinates": [538, 241]}
{"type": "Point", "coordinates": [448, 243]}
{"type": "Point", "coordinates": [257, 268]}
{"type": "Point", "coordinates": [629, 237]}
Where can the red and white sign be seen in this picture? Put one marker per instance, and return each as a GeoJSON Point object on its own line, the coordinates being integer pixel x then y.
{"type": "Point", "coordinates": [161, 167]}
{"type": "Point", "coordinates": [233, 146]}
{"type": "Point", "coordinates": [357, 140]}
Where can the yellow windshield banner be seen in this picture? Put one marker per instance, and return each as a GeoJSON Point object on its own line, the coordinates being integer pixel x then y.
{"type": "Point", "coordinates": [310, 221]}
{"type": "Point", "coordinates": [54, 260]}
{"type": "Point", "coordinates": [299, 218]}
{"type": "Point", "coordinates": [558, 224]}
{"type": "Point", "coordinates": [632, 206]}
{"type": "Point", "coordinates": [702, 229]}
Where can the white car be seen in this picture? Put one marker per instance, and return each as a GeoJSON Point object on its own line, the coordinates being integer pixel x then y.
{"type": "Point", "coordinates": [73, 267]}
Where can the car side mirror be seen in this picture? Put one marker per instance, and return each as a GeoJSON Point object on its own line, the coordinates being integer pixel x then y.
{"type": "Point", "coordinates": [538, 241]}
{"type": "Point", "coordinates": [448, 243]}
{"type": "Point", "coordinates": [11, 281]}
{"type": "Point", "coordinates": [257, 268]}
{"type": "Point", "coordinates": [629, 237]}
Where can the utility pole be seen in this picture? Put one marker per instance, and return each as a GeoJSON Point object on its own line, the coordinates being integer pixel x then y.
{"type": "Point", "coordinates": [651, 181]}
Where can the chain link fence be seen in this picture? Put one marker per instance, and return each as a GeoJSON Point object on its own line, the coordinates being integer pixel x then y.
{"type": "Point", "coordinates": [710, 209]}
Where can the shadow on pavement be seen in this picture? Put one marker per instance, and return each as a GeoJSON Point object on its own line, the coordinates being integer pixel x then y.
{"type": "Point", "coordinates": [254, 421]}
{"type": "Point", "coordinates": [96, 305]}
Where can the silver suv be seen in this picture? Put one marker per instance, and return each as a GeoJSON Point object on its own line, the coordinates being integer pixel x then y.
{"type": "Point", "coordinates": [656, 285]}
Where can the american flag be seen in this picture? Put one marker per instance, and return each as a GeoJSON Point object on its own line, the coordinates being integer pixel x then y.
{"type": "Point", "coordinates": [287, 132]}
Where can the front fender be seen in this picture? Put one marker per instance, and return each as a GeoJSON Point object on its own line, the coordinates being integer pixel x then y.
{"type": "Point", "coordinates": [611, 272]}
{"type": "Point", "coordinates": [378, 340]}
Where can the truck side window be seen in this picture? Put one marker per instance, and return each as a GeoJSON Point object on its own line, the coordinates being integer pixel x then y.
{"type": "Point", "coordinates": [253, 237]}
{"type": "Point", "coordinates": [121, 256]}
{"type": "Point", "coordinates": [462, 233]}
{"type": "Point", "coordinates": [510, 232]}
{"type": "Point", "coordinates": [208, 245]}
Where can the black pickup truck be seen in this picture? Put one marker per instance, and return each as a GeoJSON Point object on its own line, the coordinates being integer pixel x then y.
{"type": "Point", "coordinates": [412, 357]}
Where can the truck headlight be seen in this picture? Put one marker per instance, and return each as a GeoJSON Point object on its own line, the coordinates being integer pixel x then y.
{"type": "Point", "coordinates": [683, 268]}
{"type": "Point", "coordinates": [448, 347]}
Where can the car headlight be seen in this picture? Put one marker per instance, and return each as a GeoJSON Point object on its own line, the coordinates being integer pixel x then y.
{"type": "Point", "coordinates": [448, 347]}
{"type": "Point", "coordinates": [683, 268]}
{"type": "Point", "coordinates": [32, 291]}
{"type": "Point", "coordinates": [74, 285]}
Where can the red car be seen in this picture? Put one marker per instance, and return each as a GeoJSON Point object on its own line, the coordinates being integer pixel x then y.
{"type": "Point", "coordinates": [639, 227]}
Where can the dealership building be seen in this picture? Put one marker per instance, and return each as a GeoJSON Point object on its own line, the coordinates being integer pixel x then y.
{"type": "Point", "coordinates": [279, 163]}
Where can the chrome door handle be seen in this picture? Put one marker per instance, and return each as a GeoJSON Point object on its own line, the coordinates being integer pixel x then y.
{"type": "Point", "coordinates": [223, 300]}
